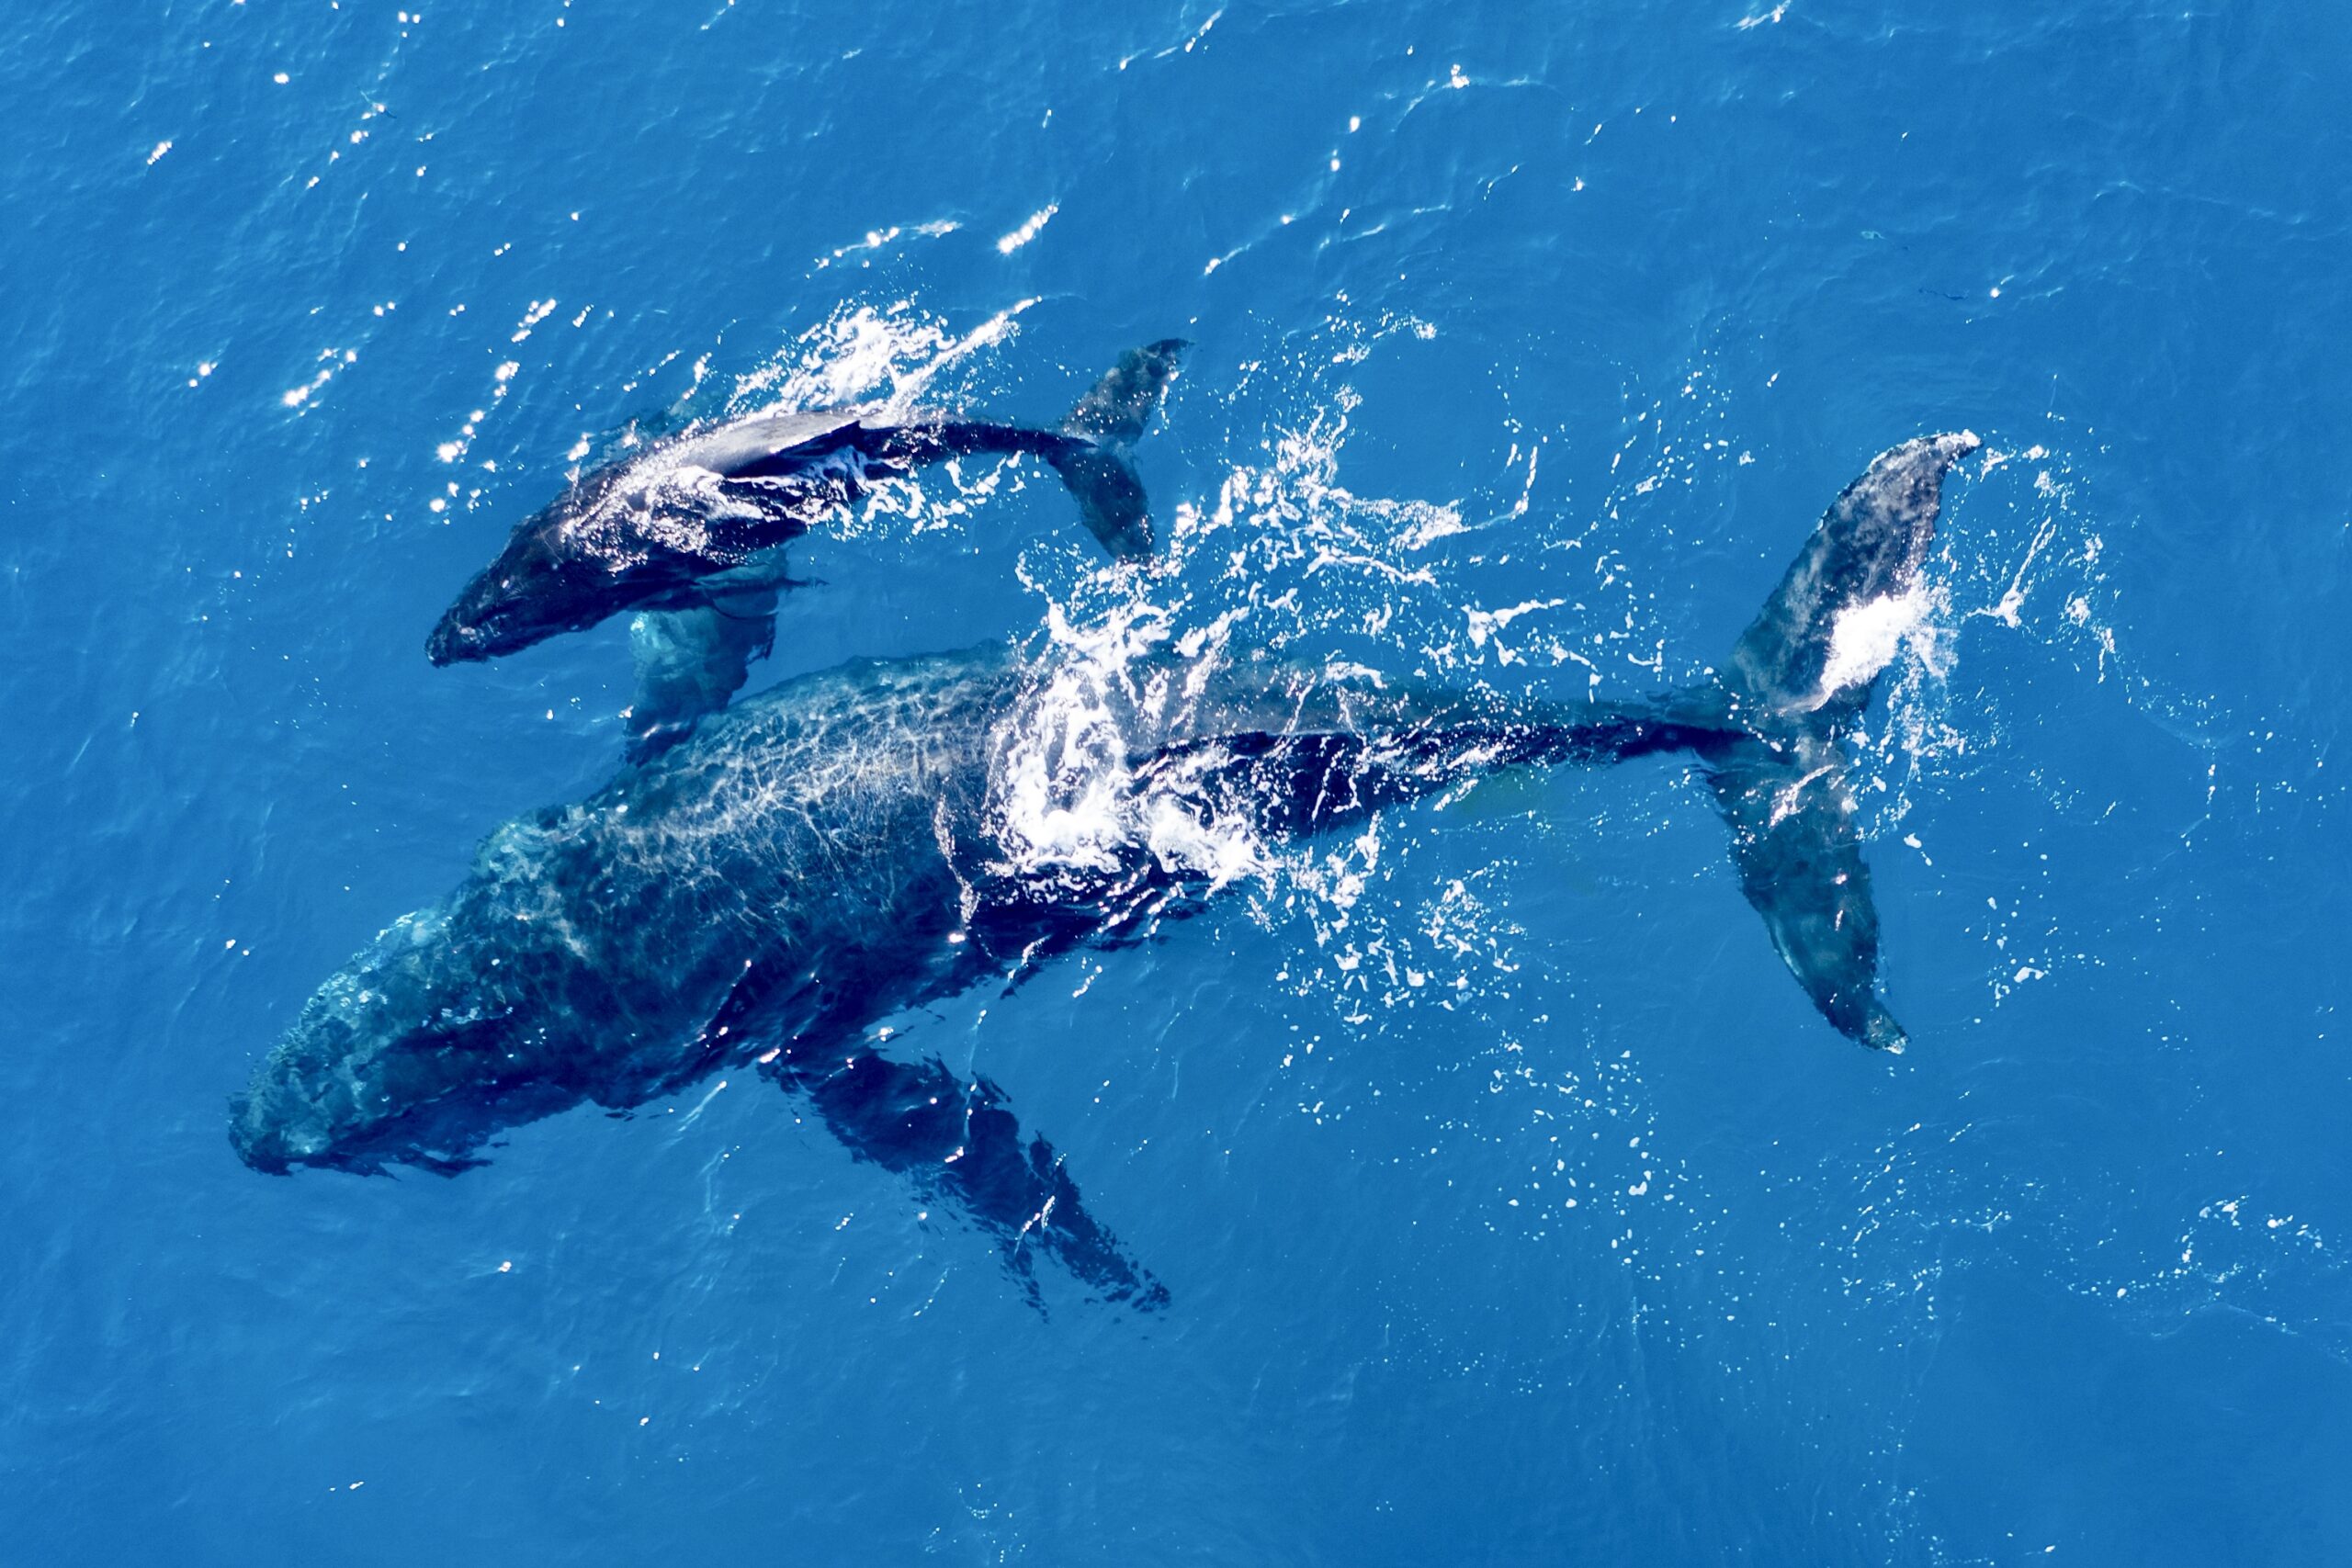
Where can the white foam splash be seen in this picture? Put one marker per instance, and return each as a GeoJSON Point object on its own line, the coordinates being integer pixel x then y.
{"type": "Point", "coordinates": [1067, 780]}
{"type": "Point", "coordinates": [886, 357]}
{"type": "Point", "coordinates": [1028, 229]}
{"type": "Point", "coordinates": [1485, 624]}
{"type": "Point", "coordinates": [1866, 637]}
{"type": "Point", "coordinates": [1066, 796]}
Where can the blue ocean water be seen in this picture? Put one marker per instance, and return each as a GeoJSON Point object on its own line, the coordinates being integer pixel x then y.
{"type": "Point", "coordinates": [1514, 1206]}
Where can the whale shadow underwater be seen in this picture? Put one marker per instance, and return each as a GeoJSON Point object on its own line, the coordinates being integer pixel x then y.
{"type": "Point", "coordinates": [852, 843]}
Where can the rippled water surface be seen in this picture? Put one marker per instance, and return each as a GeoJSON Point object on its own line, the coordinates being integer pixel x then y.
{"type": "Point", "coordinates": [1513, 1204]}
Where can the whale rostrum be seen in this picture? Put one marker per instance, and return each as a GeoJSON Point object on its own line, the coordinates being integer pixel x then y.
{"type": "Point", "coordinates": [853, 843]}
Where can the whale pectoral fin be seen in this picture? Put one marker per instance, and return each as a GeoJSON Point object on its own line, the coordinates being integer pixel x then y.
{"type": "Point", "coordinates": [961, 1147]}
{"type": "Point", "coordinates": [689, 662]}
{"type": "Point", "coordinates": [1793, 838]}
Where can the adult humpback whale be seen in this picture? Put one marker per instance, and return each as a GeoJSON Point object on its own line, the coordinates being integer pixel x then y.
{"type": "Point", "coordinates": [855, 843]}
{"type": "Point", "coordinates": [653, 529]}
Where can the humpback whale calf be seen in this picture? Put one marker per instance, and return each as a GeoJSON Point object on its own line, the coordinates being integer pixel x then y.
{"type": "Point", "coordinates": [852, 843]}
{"type": "Point", "coordinates": [655, 528]}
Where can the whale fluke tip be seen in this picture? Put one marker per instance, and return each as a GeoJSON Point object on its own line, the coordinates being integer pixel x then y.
{"type": "Point", "coordinates": [1941, 450]}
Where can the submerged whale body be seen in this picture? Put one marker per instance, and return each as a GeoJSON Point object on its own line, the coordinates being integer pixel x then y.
{"type": "Point", "coordinates": [847, 845]}
{"type": "Point", "coordinates": [654, 529]}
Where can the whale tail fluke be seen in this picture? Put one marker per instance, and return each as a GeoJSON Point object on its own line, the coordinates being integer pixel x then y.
{"type": "Point", "coordinates": [1097, 461]}
{"type": "Point", "coordinates": [1790, 812]}
{"type": "Point", "coordinates": [1828, 626]}
{"type": "Point", "coordinates": [1796, 681]}
{"type": "Point", "coordinates": [1110, 496]}
{"type": "Point", "coordinates": [1114, 410]}
{"type": "Point", "coordinates": [1770, 732]}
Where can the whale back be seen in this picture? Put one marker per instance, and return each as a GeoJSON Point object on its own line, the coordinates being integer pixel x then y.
{"type": "Point", "coordinates": [591, 944]}
{"type": "Point", "coordinates": [747, 447]}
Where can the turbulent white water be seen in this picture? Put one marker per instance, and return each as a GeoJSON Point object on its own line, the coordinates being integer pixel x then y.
{"type": "Point", "coordinates": [1867, 636]}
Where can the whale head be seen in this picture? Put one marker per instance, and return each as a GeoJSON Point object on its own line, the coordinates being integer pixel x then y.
{"type": "Point", "coordinates": [504, 608]}
{"type": "Point", "coordinates": [434, 1038]}
{"type": "Point", "coordinates": [598, 549]}
{"type": "Point", "coordinates": [538, 587]}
